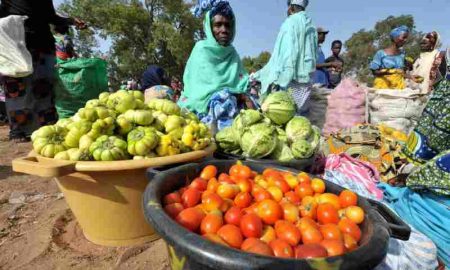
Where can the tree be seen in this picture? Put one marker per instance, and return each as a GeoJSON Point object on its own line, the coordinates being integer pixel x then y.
{"type": "Point", "coordinates": [363, 45]}
{"type": "Point", "coordinates": [256, 63]}
{"type": "Point", "coordinates": [142, 32]}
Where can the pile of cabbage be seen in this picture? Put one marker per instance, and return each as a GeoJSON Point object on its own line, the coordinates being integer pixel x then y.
{"type": "Point", "coordinates": [274, 132]}
{"type": "Point", "coordinates": [122, 126]}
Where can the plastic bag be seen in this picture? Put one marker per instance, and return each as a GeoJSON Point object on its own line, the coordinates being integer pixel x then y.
{"type": "Point", "coordinates": [15, 59]}
{"type": "Point", "coordinates": [78, 81]}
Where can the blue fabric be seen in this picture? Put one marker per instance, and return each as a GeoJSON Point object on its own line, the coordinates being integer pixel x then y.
{"type": "Point", "coordinates": [321, 74]}
{"type": "Point", "coordinates": [426, 212]}
{"type": "Point", "coordinates": [223, 108]}
{"type": "Point", "coordinates": [381, 60]}
{"type": "Point", "coordinates": [396, 32]}
{"type": "Point", "coordinates": [153, 76]}
{"type": "Point", "coordinates": [215, 7]}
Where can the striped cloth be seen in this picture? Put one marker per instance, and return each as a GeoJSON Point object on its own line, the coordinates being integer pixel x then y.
{"type": "Point", "coordinates": [301, 93]}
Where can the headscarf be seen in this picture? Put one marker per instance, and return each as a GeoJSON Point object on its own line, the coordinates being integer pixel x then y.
{"type": "Point", "coordinates": [434, 38]}
{"type": "Point", "coordinates": [302, 3]}
{"type": "Point", "coordinates": [424, 64]}
{"type": "Point", "coordinates": [154, 75]}
{"type": "Point", "coordinates": [294, 55]}
{"type": "Point", "coordinates": [215, 7]}
{"type": "Point", "coordinates": [211, 68]}
{"type": "Point", "coordinates": [396, 32]}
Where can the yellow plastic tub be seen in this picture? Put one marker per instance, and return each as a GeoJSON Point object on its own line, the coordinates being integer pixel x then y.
{"type": "Point", "coordinates": [105, 196]}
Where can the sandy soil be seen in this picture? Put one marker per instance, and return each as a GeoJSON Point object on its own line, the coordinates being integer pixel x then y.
{"type": "Point", "coordinates": [38, 230]}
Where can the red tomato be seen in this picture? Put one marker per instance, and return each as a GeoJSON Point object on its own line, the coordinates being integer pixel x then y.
{"type": "Point", "coordinates": [331, 232]}
{"type": "Point", "coordinates": [281, 248]}
{"type": "Point", "coordinates": [213, 184]}
{"type": "Point", "coordinates": [283, 185]}
{"type": "Point", "coordinates": [268, 234]}
{"type": "Point", "coordinates": [173, 209]}
{"type": "Point", "coordinates": [311, 235]}
{"type": "Point", "coordinates": [308, 208]}
{"type": "Point", "coordinates": [234, 170]}
{"type": "Point", "coordinates": [272, 172]}
{"type": "Point", "coordinates": [251, 226]}
{"type": "Point", "coordinates": [243, 200]}
{"type": "Point", "coordinates": [327, 213]}
{"type": "Point", "coordinates": [349, 242]}
{"type": "Point", "coordinates": [303, 190]}
{"type": "Point", "coordinates": [251, 209]}
{"type": "Point", "coordinates": [209, 172]}
{"type": "Point", "coordinates": [333, 247]}
{"type": "Point", "coordinates": [227, 191]}
{"type": "Point", "coordinates": [348, 198]}
{"type": "Point", "coordinates": [199, 184]}
{"type": "Point", "coordinates": [182, 190]}
{"type": "Point", "coordinates": [262, 195]}
{"type": "Point", "coordinates": [350, 227]}
{"type": "Point", "coordinates": [318, 185]}
{"type": "Point", "coordinates": [270, 211]}
{"type": "Point", "coordinates": [329, 198]}
{"type": "Point", "coordinates": [225, 178]}
{"type": "Point", "coordinates": [233, 216]}
{"type": "Point", "coordinates": [244, 172]}
{"type": "Point", "coordinates": [355, 214]}
{"type": "Point", "coordinates": [293, 197]}
{"type": "Point", "coordinates": [191, 197]}
{"type": "Point", "coordinates": [290, 212]}
{"type": "Point", "coordinates": [254, 245]}
{"type": "Point", "coordinates": [288, 232]}
{"type": "Point", "coordinates": [303, 178]}
{"type": "Point", "coordinates": [226, 205]}
{"type": "Point", "coordinates": [173, 197]}
{"type": "Point", "coordinates": [190, 218]}
{"type": "Point", "coordinates": [211, 223]}
{"type": "Point", "coordinates": [309, 251]}
{"type": "Point", "coordinates": [306, 222]}
{"type": "Point", "coordinates": [215, 238]}
{"type": "Point", "coordinates": [212, 201]}
{"type": "Point", "coordinates": [231, 235]}
{"type": "Point", "coordinates": [244, 185]}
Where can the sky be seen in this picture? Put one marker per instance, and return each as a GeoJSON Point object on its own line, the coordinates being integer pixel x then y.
{"type": "Point", "coordinates": [258, 21]}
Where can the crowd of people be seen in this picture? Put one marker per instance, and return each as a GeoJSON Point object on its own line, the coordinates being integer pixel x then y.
{"type": "Point", "coordinates": [216, 83]}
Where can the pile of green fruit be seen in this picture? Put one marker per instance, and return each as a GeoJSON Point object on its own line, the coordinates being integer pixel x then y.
{"type": "Point", "coordinates": [121, 126]}
{"type": "Point", "coordinates": [274, 132]}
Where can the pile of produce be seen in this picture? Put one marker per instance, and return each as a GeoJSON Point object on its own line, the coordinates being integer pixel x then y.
{"type": "Point", "coordinates": [274, 133]}
{"type": "Point", "coordinates": [121, 126]}
{"type": "Point", "coordinates": [274, 213]}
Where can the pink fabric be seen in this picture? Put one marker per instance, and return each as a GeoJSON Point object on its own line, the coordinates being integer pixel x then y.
{"type": "Point", "coordinates": [363, 175]}
{"type": "Point", "coordinates": [346, 107]}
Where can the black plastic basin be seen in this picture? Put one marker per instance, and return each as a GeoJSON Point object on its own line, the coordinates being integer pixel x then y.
{"type": "Point", "coordinates": [188, 250]}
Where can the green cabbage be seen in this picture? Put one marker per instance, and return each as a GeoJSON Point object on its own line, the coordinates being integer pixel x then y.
{"type": "Point", "coordinates": [282, 135]}
{"type": "Point", "coordinates": [314, 139]}
{"type": "Point", "coordinates": [282, 152]}
{"type": "Point", "coordinates": [302, 149]}
{"type": "Point", "coordinates": [228, 140]}
{"type": "Point", "coordinates": [245, 119]}
{"type": "Point", "coordinates": [279, 107]}
{"type": "Point", "coordinates": [258, 141]}
{"type": "Point", "coordinates": [299, 128]}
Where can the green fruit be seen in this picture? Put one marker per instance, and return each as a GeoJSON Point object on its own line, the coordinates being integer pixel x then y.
{"type": "Point", "coordinates": [141, 141]}
{"type": "Point", "coordinates": [124, 126]}
{"type": "Point", "coordinates": [173, 122]}
{"type": "Point", "coordinates": [163, 105]}
{"type": "Point", "coordinates": [109, 148]}
{"type": "Point", "coordinates": [49, 140]}
{"type": "Point", "coordinates": [139, 117]}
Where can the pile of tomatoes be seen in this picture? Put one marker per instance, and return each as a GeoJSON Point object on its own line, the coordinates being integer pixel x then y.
{"type": "Point", "coordinates": [274, 213]}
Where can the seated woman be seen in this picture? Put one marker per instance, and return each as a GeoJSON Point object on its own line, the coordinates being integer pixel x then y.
{"type": "Point", "coordinates": [427, 65]}
{"type": "Point", "coordinates": [214, 65]}
{"type": "Point", "coordinates": [388, 65]}
{"type": "Point", "coordinates": [155, 84]}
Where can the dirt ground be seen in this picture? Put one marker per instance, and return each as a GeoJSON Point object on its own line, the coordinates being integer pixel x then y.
{"type": "Point", "coordinates": [38, 231]}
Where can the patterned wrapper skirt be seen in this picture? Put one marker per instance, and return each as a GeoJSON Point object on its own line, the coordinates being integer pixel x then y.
{"type": "Point", "coordinates": [30, 100]}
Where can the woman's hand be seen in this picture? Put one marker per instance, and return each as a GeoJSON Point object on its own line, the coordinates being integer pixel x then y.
{"type": "Point", "coordinates": [79, 24]}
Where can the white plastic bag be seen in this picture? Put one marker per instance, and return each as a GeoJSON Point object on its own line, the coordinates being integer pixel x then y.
{"type": "Point", "coordinates": [15, 59]}
{"type": "Point", "coordinates": [400, 109]}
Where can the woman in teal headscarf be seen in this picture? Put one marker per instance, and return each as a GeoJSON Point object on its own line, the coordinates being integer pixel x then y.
{"type": "Point", "coordinates": [214, 64]}
{"type": "Point", "coordinates": [293, 59]}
